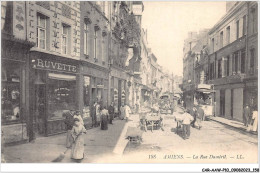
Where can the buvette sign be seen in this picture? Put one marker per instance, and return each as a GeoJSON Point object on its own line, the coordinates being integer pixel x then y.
{"type": "Point", "coordinates": [53, 65]}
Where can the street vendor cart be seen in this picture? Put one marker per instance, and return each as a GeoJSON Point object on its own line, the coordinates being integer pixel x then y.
{"type": "Point", "coordinates": [150, 119]}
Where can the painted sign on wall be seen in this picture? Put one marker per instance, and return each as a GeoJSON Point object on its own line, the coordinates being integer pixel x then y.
{"type": "Point", "coordinates": [53, 65]}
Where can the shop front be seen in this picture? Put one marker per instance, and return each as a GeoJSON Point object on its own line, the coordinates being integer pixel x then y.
{"type": "Point", "coordinates": [14, 106]}
{"type": "Point", "coordinates": [94, 86]}
{"type": "Point", "coordinates": [119, 85]}
{"type": "Point", "coordinates": [53, 91]}
{"type": "Point", "coordinates": [251, 94]}
{"type": "Point", "coordinates": [146, 94]}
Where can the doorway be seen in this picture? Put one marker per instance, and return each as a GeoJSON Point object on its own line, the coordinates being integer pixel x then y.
{"type": "Point", "coordinates": [40, 109]}
{"type": "Point", "coordinates": [222, 103]}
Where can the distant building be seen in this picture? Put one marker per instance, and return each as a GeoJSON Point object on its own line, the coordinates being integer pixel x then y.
{"type": "Point", "coordinates": [192, 54]}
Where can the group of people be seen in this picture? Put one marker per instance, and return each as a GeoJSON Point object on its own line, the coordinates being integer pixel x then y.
{"type": "Point", "coordinates": [250, 118]}
{"type": "Point", "coordinates": [124, 112]}
{"type": "Point", "coordinates": [192, 118]}
{"type": "Point", "coordinates": [101, 116]}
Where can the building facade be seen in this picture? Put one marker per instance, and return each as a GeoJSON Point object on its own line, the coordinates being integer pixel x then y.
{"type": "Point", "coordinates": [192, 53]}
{"type": "Point", "coordinates": [228, 61]}
{"type": "Point", "coordinates": [231, 49]}
{"type": "Point", "coordinates": [60, 56]}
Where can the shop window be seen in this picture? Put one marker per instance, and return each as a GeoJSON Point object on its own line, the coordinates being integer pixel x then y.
{"type": "Point", "coordinates": [11, 93]}
{"type": "Point", "coordinates": [86, 97]}
{"type": "Point", "coordinates": [61, 94]}
{"type": "Point", "coordinates": [41, 31]}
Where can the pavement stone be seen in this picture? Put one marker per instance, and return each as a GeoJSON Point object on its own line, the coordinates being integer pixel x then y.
{"type": "Point", "coordinates": [45, 149]}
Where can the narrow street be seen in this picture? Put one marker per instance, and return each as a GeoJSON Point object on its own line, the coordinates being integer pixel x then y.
{"type": "Point", "coordinates": [213, 139]}
{"type": "Point", "coordinates": [219, 143]}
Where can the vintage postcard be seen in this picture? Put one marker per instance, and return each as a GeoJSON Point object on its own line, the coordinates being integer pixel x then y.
{"type": "Point", "coordinates": [129, 82]}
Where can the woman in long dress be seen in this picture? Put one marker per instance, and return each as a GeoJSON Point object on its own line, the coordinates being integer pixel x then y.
{"type": "Point", "coordinates": [77, 151]}
{"type": "Point", "coordinates": [255, 121]}
{"type": "Point", "coordinates": [104, 119]}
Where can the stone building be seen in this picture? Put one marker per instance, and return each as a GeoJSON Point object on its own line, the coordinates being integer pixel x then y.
{"type": "Point", "coordinates": [43, 80]}
{"type": "Point", "coordinates": [95, 35]}
{"type": "Point", "coordinates": [192, 53]}
{"type": "Point", "coordinates": [232, 46]}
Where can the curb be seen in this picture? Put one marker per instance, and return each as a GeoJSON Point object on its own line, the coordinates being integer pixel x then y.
{"type": "Point", "coordinates": [240, 129]}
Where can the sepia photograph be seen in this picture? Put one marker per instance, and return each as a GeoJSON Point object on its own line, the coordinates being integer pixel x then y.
{"type": "Point", "coordinates": [113, 82]}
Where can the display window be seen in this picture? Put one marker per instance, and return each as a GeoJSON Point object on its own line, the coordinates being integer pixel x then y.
{"type": "Point", "coordinates": [86, 97]}
{"type": "Point", "coordinates": [11, 79]}
{"type": "Point", "coordinates": [61, 95]}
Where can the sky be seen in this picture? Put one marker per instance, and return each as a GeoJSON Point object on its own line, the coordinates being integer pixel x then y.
{"type": "Point", "coordinates": [168, 24]}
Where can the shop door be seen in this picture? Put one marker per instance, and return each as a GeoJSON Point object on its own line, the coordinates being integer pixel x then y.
{"type": "Point", "coordinates": [222, 103]}
{"type": "Point", "coordinates": [40, 109]}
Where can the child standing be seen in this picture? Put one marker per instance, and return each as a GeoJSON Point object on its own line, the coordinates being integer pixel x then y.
{"type": "Point", "coordinates": [77, 152]}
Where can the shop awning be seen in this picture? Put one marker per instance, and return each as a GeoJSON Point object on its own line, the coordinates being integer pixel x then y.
{"type": "Point", "coordinates": [57, 76]}
{"type": "Point", "coordinates": [203, 90]}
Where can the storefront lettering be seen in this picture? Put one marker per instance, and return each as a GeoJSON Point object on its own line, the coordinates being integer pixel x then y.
{"type": "Point", "coordinates": [55, 65]}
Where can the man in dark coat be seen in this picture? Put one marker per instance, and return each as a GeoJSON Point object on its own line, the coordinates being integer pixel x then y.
{"type": "Point", "coordinates": [246, 115]}
{"type": "Point", "coordinates": [111, 111]}
{"type": "Point", "coordinates": [194, 114]}
{"type": "Point", "coordinates": [93, 114]}
{"type": "Point", "coordinates": [69, 122]}
{"type": "Point", "coordinates": [201, 113]}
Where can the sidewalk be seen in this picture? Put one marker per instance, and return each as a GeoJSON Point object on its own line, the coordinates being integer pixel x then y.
{"type": "Point", "coordinates": [98, 143]}
{"type": "Point", "coordinates": [235, 124]}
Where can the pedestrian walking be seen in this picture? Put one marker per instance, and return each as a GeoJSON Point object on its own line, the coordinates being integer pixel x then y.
{"type": "Point", "coordinates": [200, 117]}
{"type": "Point", "coordinates": [255, 119]}
{"type": "Point", "coordinates": [77, 115]}
{"type": "Point", "coordinates": [104, 118]}
{"type": "Point", "coordinates": [194, 114]}
{"type": "Point", "coordinates": [69, 122]}
{"type": "Point", "coordinates": [111, 111]}
{"type": "Point", "coordinates": [122, 112]}
{"type": "Point", "coordinates": [127, 112]}
{"type": "Point", "coordinates": [246, 115]}
{"type": "Point", "coordinates": [187, 119]}
{"type": "Point", "coordinates": [77, 151]}
{"type": "Point", "coordinates": [97, 115]}
{"type": "Point", "coordinates": [93, 114]}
